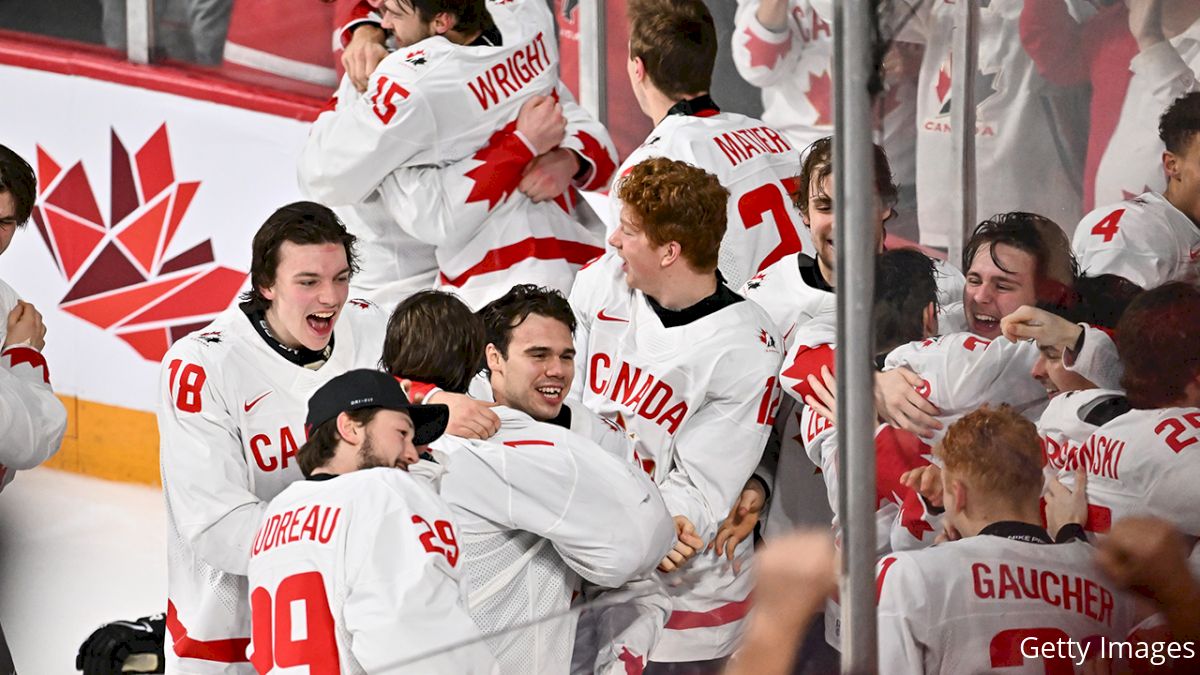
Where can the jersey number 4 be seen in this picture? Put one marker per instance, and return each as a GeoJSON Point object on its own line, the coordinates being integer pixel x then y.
{"type": "Point", "coordinates": [753, 208]}
{"type": "Point", "coordinates": [1107, 228]}
{"type": "Point", "coordinates": [275, 645]}
{"type": "Point", "coordinates": [190, 378]}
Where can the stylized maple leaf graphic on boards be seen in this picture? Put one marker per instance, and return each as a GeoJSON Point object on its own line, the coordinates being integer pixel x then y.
{"type": "Point", "coordinates": [119, 279]}
{"type": "Point", "coordinates": [820, 95]}
{"type": "Point", "coordinates": [763, 53]}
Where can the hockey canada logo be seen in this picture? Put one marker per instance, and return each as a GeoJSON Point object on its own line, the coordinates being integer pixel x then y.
{"type": "Point", "coordinates": [119, 277]}
{"type": "Point", "coordinates": [416, 58]}
{"type": "Point", "coordinates": [767, 339]}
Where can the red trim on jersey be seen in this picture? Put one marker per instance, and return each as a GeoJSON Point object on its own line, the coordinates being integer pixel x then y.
{"type": "Point", "coordinates": [70, 58]}
{"type": "Point", "coordinates": [419, 390]}
{"type": "Point", "coordinates": [358, 13]}
{"type": "Point", "coordinates": [542, 248]}
{"type": "Point", "coordinates": [808, 362]}
{"type": "Point", "coordinates": [22, 354]}
{"type": "Point", "coordinates": [707, 112]}
{"type": "Point", "coordinates": [232, 650]}
{"type": "Point", "coordinates": [887, 565]}
{"type": "Point", "coordinates": [725, 614]}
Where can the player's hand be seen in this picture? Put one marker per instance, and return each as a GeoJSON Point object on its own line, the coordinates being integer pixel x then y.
{"type": "Point", "coordinates": [107, 649]}
{"type": "Point", "coordinates": [1046, 328]}
{"type": "Point", "coordinates": [469, 418]}
{"type": "Point", "coordinates": [823, 400]}
{"type": "Point", "coordinates": [772, 14]}
{"type": "Point", "coordinates": [1145, 22]}
{"type": "Point", "coordinates": [686, 545]}
{"type": "Point", "coordinates": [740, 522]}
{"type": "Point", "coordinates": [1147, 556]}
{"type": "Point", "coordinates": [925, 481]}
{"type": "Point", "coordinates": [948, 533]}
{"type": "Point", "coordinates": [795, 574]}
{"type": "Point", "coordinates": [363, 53]}
{"type": "Point", "coordinates": [549, 175]}
{"type": "Point", "coordinates": [899, 403]}
{"type": "Point", "coordinates": [25, 325]}
{"type": "Point", "coordinates": [542, 123]}
{"type": "Point", "coordinates": [1064, 506]}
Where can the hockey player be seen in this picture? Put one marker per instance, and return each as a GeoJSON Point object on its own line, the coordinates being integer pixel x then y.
{"type": "Point", "coordinates": [444, 103]}
{"type": "Point", "coordinates": [1153, 238]}
{"type": "Point", "coordinates": [532, 500]}
{"type": "Point", "coordinates": [1140, 462]}
{"type": "Point", "coordinates": [672, 48]}
{"type": "Point", "coordinates": [231, 421]}
{"type": "Point", "coordinates": [1029, 159]}
{"type": "Point", "coordinates": [984, 601]}
{"type": "Point", "coordinates": [32, 419]}
{"type": "Point", "coordinates": [376, 562]}
{"type": "Point", "coordinates": [667, 351]}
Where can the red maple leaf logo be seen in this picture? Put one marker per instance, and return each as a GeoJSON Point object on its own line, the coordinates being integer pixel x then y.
{"type": "Point", "coordinates": [604, 162]}
{"type": "Point", "coordinates": [943, 83]}
{"type": "Point", "coordinates": [499, 174]}
{"type": "Point", "coordinates": [820, 95]}
{"type": "Point", "coordinates": [120, 278]}
{"type": "Point", "coordinates": [763, 53]}
{"type": "Point", "coordinates": [896, 452]}
{"type": "Point", "coordinates": [634, 665]}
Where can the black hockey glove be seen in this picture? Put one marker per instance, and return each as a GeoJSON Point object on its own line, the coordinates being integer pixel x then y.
{"type": "Point", "coordinates": [107, 648]}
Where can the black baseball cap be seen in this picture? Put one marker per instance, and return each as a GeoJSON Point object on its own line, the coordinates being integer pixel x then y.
{"type": "Point", "coordinates": [365, 388]}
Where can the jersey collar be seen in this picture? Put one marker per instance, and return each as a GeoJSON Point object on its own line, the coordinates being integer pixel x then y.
{"type": "Point", "coordinates": [1010, 529]}
{"type": "Point", "coordinates": [701, 106]}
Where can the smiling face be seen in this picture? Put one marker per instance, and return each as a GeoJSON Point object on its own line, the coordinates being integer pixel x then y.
{"type": "Point", "coordinates": [536, 374]}
{"type": "Point", "coordinates": [312, 282]}
{"type": "Point", "coordinates": [993, 291]}
{"type": "Point", "coordinates": [388, 442]}
{"type": "Point", "coordinates": [822, 223]}
{"type": "Point", "coordinates": [642, 258]}
{"type": "Point", "coordinates": [1052, 373]}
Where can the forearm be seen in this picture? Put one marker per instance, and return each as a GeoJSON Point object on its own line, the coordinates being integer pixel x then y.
{"type": "Point", "coordinates": [772, 636]}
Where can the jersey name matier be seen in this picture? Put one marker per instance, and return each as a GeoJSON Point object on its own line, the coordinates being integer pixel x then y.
{"type": "Point", "coordinates": [638, 390]}
{"type": "Point", "coordinates": [506, 78]}
{"type": "Point", "coordinates": [740, 145]}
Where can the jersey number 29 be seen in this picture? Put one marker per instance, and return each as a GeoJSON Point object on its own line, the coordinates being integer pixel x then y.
{"type": "Point", "coordinates": [274, 643]}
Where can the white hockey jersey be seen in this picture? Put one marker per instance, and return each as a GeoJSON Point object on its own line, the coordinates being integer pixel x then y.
{"type": "Point", "coordinates": [698, 399]}
{"type": "Point", "coordinates": [230, 421]}
{"type": "Point", "coordinates": [1025, 157]}
{"type": "Point", "coordinates": [1143, 463]}
{"type": "Point", "coordinates": [1067, 423]}
{"type": "Point", "coordinates": [32, 419]}
{"type": "Point", "coordinates": [758, 166]}
{"type": "Point", "coordinates": [374, 560]}
{"type": "Point", "coordinates": [429, 105]}
{"type": "Point", "coordinates": [488, 235]}
{"type": "Point", "coordinates": [8, 300]}
{"type": "Point", "coordinates": [1145, 239]}
{"type": "Point", "coordinates": [536, 506]}
{"type": "Point", "coordinates": [1132, 161]}
{"type": "Point", "coordinates": [794, 69]}
{"type": "Point", "coordinates": [968, 606]}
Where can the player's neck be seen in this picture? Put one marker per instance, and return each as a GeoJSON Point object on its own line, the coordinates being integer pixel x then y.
{"type": "Point", "coordinates": [827, 273]}
{"type": "Point", "coordinates": [658, 103]}
{"type": "Point", "coordinates": [462, 38]}
{"type": "Point", "coordinates": [971, 524]}
{"type": "Point", "coordinates": [1185, 203]}
{"type": "Point", "coordinates": [684, 289]}
{"type": "Point", "coordinates": [1178, 16]}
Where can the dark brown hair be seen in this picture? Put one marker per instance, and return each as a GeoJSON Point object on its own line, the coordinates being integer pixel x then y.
{"type": "Point", "coordinates": [300, 223]}
{"type": "Point", "coordinates": [469, 15]}
{"type": "Point", "coordinates": [17, 179]}
{"type": "Point", "coordinates": [322, 442]}
{"type": "Point", "coordinates": [1055, 268]}
{"type": "Point", "coordinates": [502, 316]}
{"type": "Point", "coordinates": [434, 338]}
{"type": "Point", "coordinates": [1157, 338]}
{"type": "Point", "coordinates": [817, 165]}
{"type": "Point", "coordinates": [1180, 123]}
{"type": "Point", "coordinates": [676, 41]}
{"type": "Point", "coordinates": [675, 201]}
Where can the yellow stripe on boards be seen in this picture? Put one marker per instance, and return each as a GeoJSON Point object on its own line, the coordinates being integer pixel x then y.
{"type": "Point", "coordinates": [109, 442]}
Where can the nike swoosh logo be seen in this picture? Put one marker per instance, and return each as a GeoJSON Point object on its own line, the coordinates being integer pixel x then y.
{"type": "Point", "coordinates": [600, 315]}
{"type": "Point", "coordinates": [250, 404]}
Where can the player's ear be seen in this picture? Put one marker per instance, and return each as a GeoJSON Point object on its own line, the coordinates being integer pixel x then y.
{"type": "Point", "coordinates": [495, 360]}
{"type": "Point", "coordinates": [671, 251]}
{"type": "Point", "coordinates": [1170, 164]}
{"type": "Point", "coordinates": [348, 429]}
{"type": "Point", "coordinates": [929, 322]}
{"type": "Point", "coordinates": [267, 293]}
{"type": "Point", "coordinates": [444, 22]}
